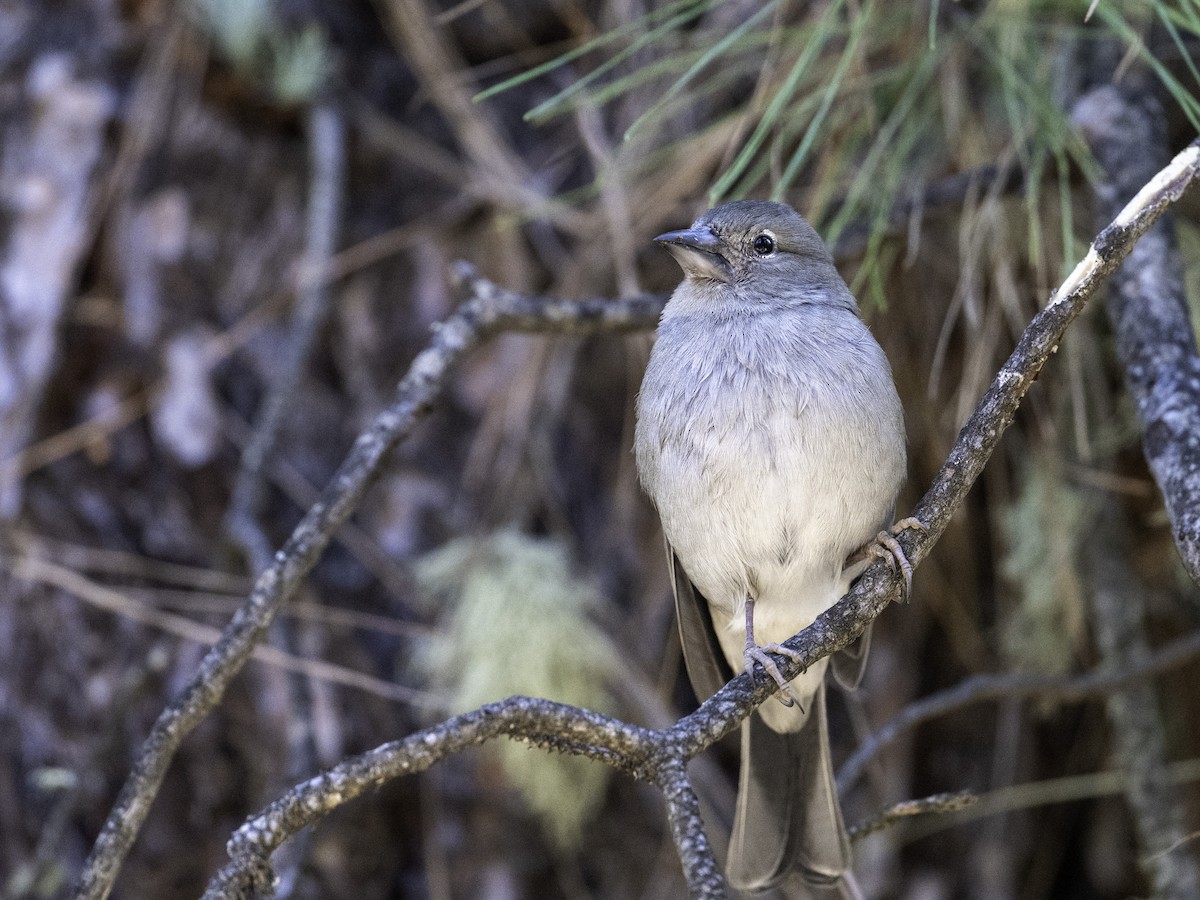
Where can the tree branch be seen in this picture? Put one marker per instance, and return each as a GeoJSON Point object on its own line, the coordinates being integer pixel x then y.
{"type": "Point", "coordinates": [540, 722]}
{"type": "Point", "coordinates": [906, 809]}
{"type": "Point", "coordinates": [1148, 309]}
{"type": "Point", "coordinates": [979, 688]}
{"type": "Point", "coordinates": [1140, 742]}
{"type": "Point", "coordinates": [700, 869]}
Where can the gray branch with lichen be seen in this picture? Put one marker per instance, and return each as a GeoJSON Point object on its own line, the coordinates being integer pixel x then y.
{"type": "Point", "coordinates": [1156, 343]}
{"type": "Point", "coordinates": [1148, 310]}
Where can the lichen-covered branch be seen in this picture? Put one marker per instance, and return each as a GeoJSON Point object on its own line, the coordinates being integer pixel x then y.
{"type": "Point", "coordinates": [1157, 348]}
{"type": "Point", "coordinates": [540, 722]}
{"type": "Point", "coordinates": [1148, 308]}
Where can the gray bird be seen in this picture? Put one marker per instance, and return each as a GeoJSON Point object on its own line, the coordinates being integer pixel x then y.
{"type": "Point", "coordinates": [771, 440]}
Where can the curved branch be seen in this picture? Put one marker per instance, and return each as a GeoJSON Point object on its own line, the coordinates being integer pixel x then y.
{"type": "Point", "coordinates": [542, 722]}
{"type": "Point", "coordinates": [1148, 308]}
{"type": "Point", "coordinates": [979, 688]}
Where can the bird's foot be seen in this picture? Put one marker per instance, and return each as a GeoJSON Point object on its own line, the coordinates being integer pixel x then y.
{"type": "Point", "coordinates": [885, 546]}
{"type": "Point", "coordinates": [756, 653]}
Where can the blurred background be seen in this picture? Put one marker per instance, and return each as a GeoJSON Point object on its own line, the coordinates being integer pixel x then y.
{"type": "Point", "coordinates": [209, 203]}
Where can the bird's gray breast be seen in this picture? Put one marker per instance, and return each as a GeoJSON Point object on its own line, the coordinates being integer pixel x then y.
{"type": "Point", "coordinates": [772, 444]}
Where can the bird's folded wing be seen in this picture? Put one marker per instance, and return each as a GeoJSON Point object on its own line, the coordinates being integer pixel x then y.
{"type": "Point", "coordinates": [848, 665]}
{"type": "Point", "coordinates": [705, 662]}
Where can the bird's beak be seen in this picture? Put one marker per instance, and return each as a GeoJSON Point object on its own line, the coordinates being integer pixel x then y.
{"type": "Point", "coordinates": [698, 252]}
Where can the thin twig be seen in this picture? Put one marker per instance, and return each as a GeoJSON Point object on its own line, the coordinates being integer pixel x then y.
{"type": "Point", "coordinates": [906, 809]}
{"type": "Point", "coordinates": [83, 558]}
{"type": "Point", "coordinates": [494, 172]}
{"type": "Point", "coordinates": [327, 152]}
{"type": "Point", "coordinates": [101, 596]}
{"type": "Point", "coordinates": [981, 688]}
{"type": "Point", "coordinates": [1067, 789]}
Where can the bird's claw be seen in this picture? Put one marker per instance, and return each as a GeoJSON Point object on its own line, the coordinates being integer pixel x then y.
{"type": "Point", "coordinates": [761, 654]}
{"type": "Point", "coordinates": [885, 546]}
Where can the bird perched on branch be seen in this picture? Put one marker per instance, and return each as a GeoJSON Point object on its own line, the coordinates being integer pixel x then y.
{"type": "Point", "coordinates": [771, 440]}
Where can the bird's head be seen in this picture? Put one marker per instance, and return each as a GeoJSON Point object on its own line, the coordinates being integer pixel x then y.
{"type": "Point", "coordinates": [754, 244]}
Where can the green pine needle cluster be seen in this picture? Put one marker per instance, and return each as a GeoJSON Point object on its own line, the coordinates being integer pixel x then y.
{"type": "Point", "coordinates": [848, 107]}
{"type": "Point", "coordinates": [515, 621]}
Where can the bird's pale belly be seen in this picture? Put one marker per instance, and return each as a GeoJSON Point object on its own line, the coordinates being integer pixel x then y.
{"type": "Point", "coordinates": [765, 514]}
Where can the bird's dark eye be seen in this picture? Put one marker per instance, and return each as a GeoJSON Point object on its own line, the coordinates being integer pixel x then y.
{"type": "Point", "coordinates": [764, 245]}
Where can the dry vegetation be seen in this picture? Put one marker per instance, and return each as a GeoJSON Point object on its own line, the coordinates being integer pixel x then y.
{"type": "Point", "coordinates": [197, 231]}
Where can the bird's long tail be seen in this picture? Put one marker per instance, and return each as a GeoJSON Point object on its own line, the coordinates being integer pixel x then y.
{"type": "Point", "coordinates": [788, 817]}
